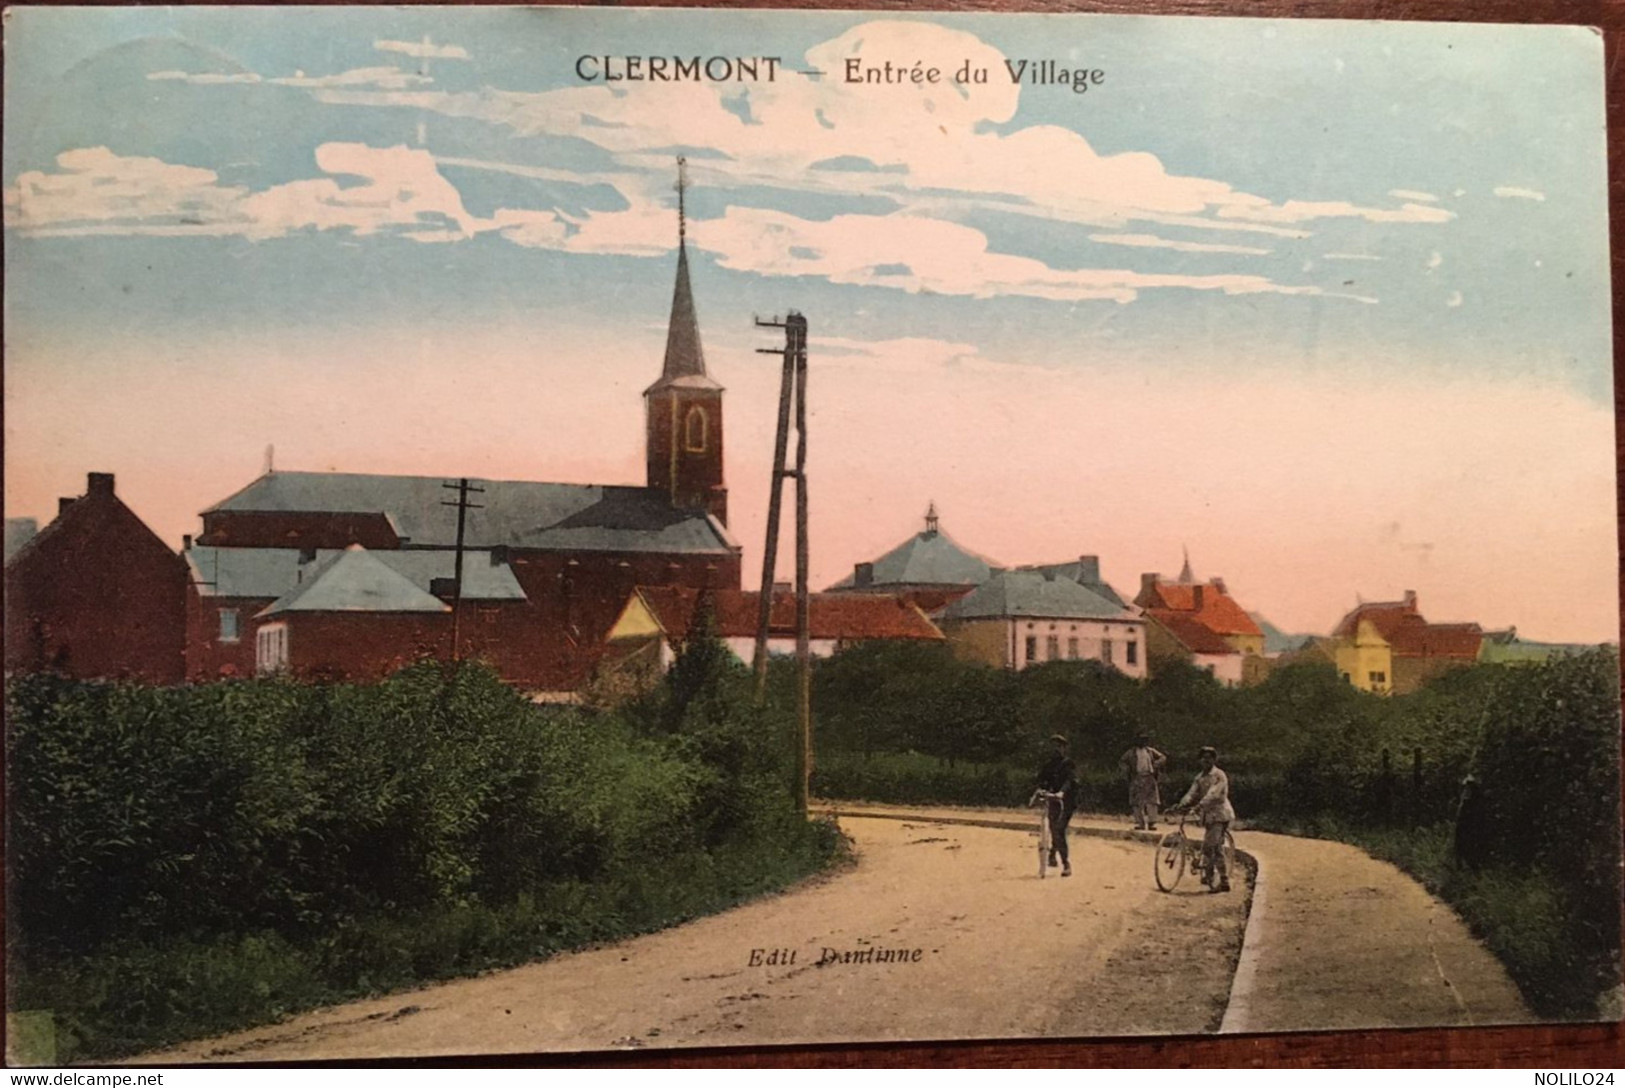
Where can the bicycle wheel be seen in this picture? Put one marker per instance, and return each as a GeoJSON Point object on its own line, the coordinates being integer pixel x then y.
{"type": "Point", "coordinates": [1044, 842]}
{"type": "Point", "coordinates": [1170, 860]}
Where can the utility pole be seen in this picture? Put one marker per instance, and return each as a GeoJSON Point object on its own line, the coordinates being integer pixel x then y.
{"type": "Point", "coordinates": [463, 489]}
{"type": "Point", "coordinates": [793, 386]}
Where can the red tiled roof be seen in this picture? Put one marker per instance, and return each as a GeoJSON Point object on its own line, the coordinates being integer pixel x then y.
{"type": "Point", "coordinates": [1219, 613]}
{"type": "Point", "coordinates": [847, 617]}
{"type": "Point", "coordinates": [1410, 635]}
{"type": "Point", "coordinates": [1190, 631]}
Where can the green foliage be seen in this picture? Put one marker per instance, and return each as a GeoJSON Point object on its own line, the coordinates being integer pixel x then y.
{"type": "Point", "coordinates": [188, 860]}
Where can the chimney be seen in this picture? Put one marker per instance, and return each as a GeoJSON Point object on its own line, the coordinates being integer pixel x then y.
{"type": "Point", "coordinates": [443, 587]}
{"type": "Point", "coordinates": [783, 587]}
{"type": "Point", "coordinates": [499, 555]}
{"type": "Point", "coordinates": [186, 542]}
{"type": "Point", "coordinates": [1196, 596]}
{"type": "Point", "coordinates": [1218, 584]}
{"type": "Point", "coordinates": [1148, 582]}
{"type": "Point", "coordinates": [63, 503]}
{"type": "Point", "coordinates": [307, 555]}
{"type": "Point", "coordinates": [1410, 600]}
{"type": "Point", "coordinates": [1088, 568]}
{"type": "Point", "coordinates": [99, 483]}
{"type": "Point", "coordinates": [863, 575]}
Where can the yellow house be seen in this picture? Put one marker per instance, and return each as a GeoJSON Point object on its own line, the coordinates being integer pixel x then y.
{"type": "Point", "coordinates": [1364, 659]}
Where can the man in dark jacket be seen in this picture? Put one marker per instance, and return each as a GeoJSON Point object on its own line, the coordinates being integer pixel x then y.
{"type": "Point", "coordinates": [1059, 775]}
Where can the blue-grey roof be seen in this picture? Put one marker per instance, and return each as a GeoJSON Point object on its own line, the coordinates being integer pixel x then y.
{"type": "Point", "coordinates": [1086, 576]}
{"type": "Point", "coordinates": [1277, 641]}
{"type": "Point", "coordinates": [515, 513]}
{"type": "Point", "coordinates": [926, 559]}
{"type": "Point", "coordinates": [1032, 593]}
{"type": "Point", "coordinates": [271, 572]}
{"type": "Point", "coordinates": [356, 580]}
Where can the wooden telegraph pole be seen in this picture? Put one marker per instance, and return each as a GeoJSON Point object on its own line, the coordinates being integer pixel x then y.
{"type": "Point", "coordinates": [463, 489]}
{"type": "Point", "coordinates": [792, 388]}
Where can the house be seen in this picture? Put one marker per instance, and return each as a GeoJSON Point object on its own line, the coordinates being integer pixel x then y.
{"type": "Point", "coordinates": [1209, 604]}
{"type": "Point", "coordinates": [96, 594]}
{"type": "Point", "coordinates": [1420, 650]}
{"type": "Point", "coordinates": [657, 620]}
{"type": "Point", "coordinates": [231, 590]}
{"type": "Point", "coordinates": [1019, 618]}
{"type": "Point", "coordinates": [930, 569]}
{"type": "Point", "coordinates": [1084, 570]}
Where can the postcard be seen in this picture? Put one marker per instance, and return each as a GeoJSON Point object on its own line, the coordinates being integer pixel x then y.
{"type": "Point", "coordinates": [536, 530]}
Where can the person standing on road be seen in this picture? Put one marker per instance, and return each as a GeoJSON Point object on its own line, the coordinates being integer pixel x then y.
{"type": "Point", "coordinates": [1143, 764]}
{"type": "Point", "coordinates": [1060, 775]}
{"type": "Point", "coordinates": [1210, 796]}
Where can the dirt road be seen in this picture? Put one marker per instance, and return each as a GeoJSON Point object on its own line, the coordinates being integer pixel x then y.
{"type": "Point", "coordinates": [938, 932]}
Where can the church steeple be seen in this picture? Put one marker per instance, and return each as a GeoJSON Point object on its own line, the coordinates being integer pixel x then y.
{"type": "Point", "coordinates": [684, 407]}
{"type": "Point", "coordinates": [1186, 575]}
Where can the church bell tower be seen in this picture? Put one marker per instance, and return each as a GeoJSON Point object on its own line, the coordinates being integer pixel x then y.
{"type": "Point", "coordinates": [684, 408]}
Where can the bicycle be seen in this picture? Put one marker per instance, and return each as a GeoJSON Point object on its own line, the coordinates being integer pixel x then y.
{"type": "Point", "coordinates": [1178, 851]}
{"type": "Point", "coordinates": [1046, 800]}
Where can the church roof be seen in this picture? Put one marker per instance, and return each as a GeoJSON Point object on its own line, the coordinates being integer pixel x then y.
{"type": "Point", "coordinates": [685, 358]}
{"type": "Point", "coordinates": [355, 580]}
{"type": "Point", "coordinates": [516, 513]}
{"type": "Point", "coordinates": [1032, 593]}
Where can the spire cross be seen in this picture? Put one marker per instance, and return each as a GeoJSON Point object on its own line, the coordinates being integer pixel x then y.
{"type": "Point", "coordinates": [682, 186]}
{"type": "Point", "coordinates": [931, 518]}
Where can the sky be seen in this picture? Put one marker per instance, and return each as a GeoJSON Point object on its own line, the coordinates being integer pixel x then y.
{"type": "Point", "coordinates": [1324, 302]}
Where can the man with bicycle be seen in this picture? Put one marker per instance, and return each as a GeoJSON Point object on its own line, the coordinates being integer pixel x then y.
{"type": "Point", "coordinates": [1059, 775]}
{"type": "Point", "coordinates": [1210, 796]}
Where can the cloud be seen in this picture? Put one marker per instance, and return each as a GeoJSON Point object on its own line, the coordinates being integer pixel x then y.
{"type": "Point", "coordinates": [99, 192]}
{"type": "Point", "coordinates": [1454, 300]}
{"type": "Point", "coordinates": [924, 255]}
{"type": "Point", "coordinates": [1152, 242]}
{"type": "Point", "coordinates": [1512, 191]}
{"type": "Point", "coordinates": [96, 191]}
{"type": "Point", "coordinates": [1435, 259]}
{"type": "Point", "coordinates": [205, 79]}
{"type": "Point", "coordinates": [424, 50]}
{"type": "Point", "coordinates": [1350, 257]}
{"type": "Point", "coordinates": [383, 78]}
{"type": "Point", "coordinates": [1300, 211]}
{"type": "Point", "coordinates": [1412, 194]}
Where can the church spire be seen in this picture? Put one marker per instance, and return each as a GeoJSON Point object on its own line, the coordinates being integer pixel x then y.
{"type": "Point", "coordinates": [1186, 577]}
{"type": "Point", "coordinates": [685, 358]}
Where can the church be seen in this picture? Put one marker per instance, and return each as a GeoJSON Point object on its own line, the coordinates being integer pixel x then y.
{"type": "Point", "coordinates": [347, 576]}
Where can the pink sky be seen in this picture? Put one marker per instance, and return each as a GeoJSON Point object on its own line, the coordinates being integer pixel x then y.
{"type": "Point", "coordinates": [1495, 502]}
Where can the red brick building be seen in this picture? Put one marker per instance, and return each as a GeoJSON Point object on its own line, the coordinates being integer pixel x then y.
{"type": "Point", "coordinates": [96, 594]}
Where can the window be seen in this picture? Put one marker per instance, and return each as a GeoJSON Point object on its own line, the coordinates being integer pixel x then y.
{"type": "Point", "coordinates": [1133, 653]}
{"type": "Point", "coordinates": [1052, 647]}
{"type": "Point", "coordinates": [1072, 648]}
{"type": "Point", "coordinates": [694, 427]}
{"type": "Point", "coordinates": [228, 625]}
{"type": "Point", "coordinates": [1106, 650]}
{"type": "Point", "coordinates": [1032, 648]}
{"type": "Point", "coordinates": [271, 648]}
{"type": "Point", "coordinates": [1378, 677]}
